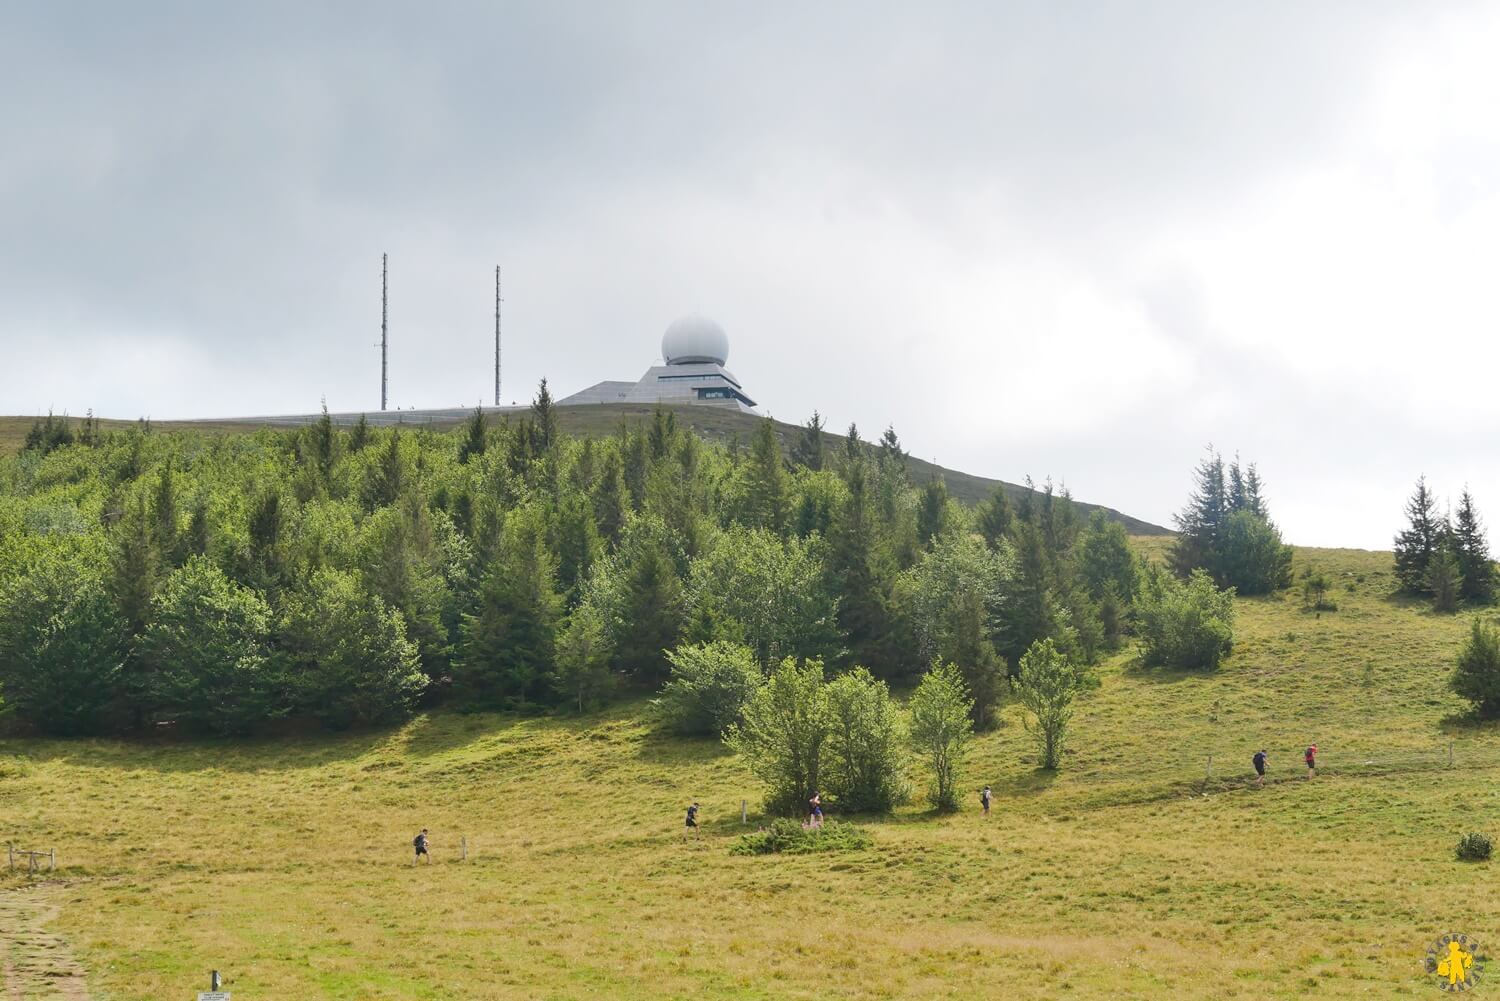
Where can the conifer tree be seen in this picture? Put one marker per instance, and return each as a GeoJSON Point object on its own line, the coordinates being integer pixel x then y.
{"type": "Point", "coordinates": [474, 438]}
{"type": "Point", "coordinates": [807, 450]}
{"type": "Point", "coordinates": [610, 504]}
{"type": "Point", "coordinates": [766, 493]}
{"type": "Point", "coordinates": [891, 454]}
{"type": "Point", "coordinates": [1472, 550]}
{"type": "Point", "coordinates": [932, 511]}
{"type": "Point", "coordinates": [662, 433]}
{"type": "Point", "coordinates": [543, 419]}
{"type": "Point", "coordinates": [854, 449]}
{"type": "Point", "coordinates": [360, 436]}
{"type": "Point", "coordinates": [653, 612]}
{"type": "Point", "coordinates": [863, 610]}
{"type": "Point", "coordinates": [1200, 525]}
{"type": "Point", "coordinates": [1415, 545]}
{"type": "Point", "coordinates": [164, 516]}
{"type": "Point", "coordinates": [995, 517]}
{"type": "Point", "coordinates": [386, 478]}
{"type": "Point", "coordinates": [324, 441]}
{"type": "Point", "coordinates": [1444, 581]}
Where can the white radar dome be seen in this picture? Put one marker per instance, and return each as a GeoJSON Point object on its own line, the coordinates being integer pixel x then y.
{"type": "Point", "coordinates": [695, 340]}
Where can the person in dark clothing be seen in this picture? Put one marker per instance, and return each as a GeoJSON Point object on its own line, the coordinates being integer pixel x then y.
{"type": "Point", "coordinates": [692, 821]}
{"type": "Point", "coordinates": [1260, 767]}
{"type": "Point", "coordinates": [984, 801]}
{"type": "Point", "coordinates": [419, 844]}
{"type": "Point", "coordinates": [815, 811]}
{"type": "Point", "coordinates": [1311, 757]}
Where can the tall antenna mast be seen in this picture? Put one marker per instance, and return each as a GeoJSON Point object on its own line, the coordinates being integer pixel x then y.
{"type": "Point", "coordinates": [497, 335]}
{"type": "Point", "coordinates": [383, 316]}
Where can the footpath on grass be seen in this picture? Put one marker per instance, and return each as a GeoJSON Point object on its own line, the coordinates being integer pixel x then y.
{"type": "Point", "coordinates": [35, 964]}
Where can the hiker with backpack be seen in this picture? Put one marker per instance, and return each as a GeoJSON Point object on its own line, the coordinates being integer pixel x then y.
{"type": "Point", "coordinates": [1311, 757]}
{"type": "Point", "coordinates": [1259, 761]}
{"type": "Point", "coordinates": [691, 827]}
{"type": "Point", "coordinates": [984, 802]}
{"type": "Point", "coordinates": [419, 845]}
{"type": "Point", "coordinates": [815, 811]}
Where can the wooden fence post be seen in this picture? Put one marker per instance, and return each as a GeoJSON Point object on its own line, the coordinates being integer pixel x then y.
{"type": "Point", "coordinates": [1450, 754]}
{"type": "Point", "coordinates": [463, 848]}
{"type": "Point", "coordinates": [744, 814]}
{"type": "Point", "coordinates": [1209, 773]}
{"type": "Point", "coordinates": [51, 859]}
{"type": "Point", "coordinates": [11, 849]}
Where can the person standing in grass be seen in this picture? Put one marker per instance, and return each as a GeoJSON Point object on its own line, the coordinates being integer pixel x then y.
{"type": "Point", "coordinates": [691, 827]}
{"type": "Point", "coordinates": [1260, 767]}
{"type": "Point", "coordinates": [815, 811]}
{"type": "Point", "coordinates": [1311, 757]}
{"type": "Point", "coordinates": [984, 802]}
{"type": "Point", "coordinates": [419, 845]}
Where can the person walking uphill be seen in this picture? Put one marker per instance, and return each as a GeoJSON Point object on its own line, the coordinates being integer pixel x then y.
{"type": "Point", "coordinates": [1259, 761]}
{"type": "Point", "coordinates": [1311, 757]}
{"type": "Point", "coordinates": [419, 845]}
{"type": "Point", "coordinates": [984, 801]}
{"type": "Point", "coordinates": [815, 811]}
{"type": "Point", "coordinates": [691, 827]}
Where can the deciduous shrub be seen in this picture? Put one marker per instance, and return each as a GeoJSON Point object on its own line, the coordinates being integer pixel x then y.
{"type": "Point", "coordinates": [709, 686]}
{"type": "Point", "coordinates": [941, 729]}
{"type": "Point", "coordinates": [785, 725]}
{"type": "Point", "coordinates": [1047, 685]}
{"type": "Point", "coordinates": [864, 744]}
{"type": "Point", "coordinates": [1185, 624]}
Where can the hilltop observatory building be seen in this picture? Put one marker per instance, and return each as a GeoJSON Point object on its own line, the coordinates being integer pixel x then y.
{"type": "Point", "coordinates": [694, 349]}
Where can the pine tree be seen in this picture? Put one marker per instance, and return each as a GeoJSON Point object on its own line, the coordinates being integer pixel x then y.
{"type": "Point", "coordinates": [360, 436]}
{"type": "Point", "coordinates": [610, 506]}
{"type": "Point", "coordinates": [543, 419]}
{"type": "Point", "coordinates": [1200, 525]}
{"type": "Point", "coordinates": [324, 441]}
{"type": "Point", "coordinates": [932, 511]}
{"type": "Point", "coordinates": [164, 517]}
{"type": "Point", "coordinates": [854, 449]}
{"type": "Point", "coordinates": [891, 453]}
{"type": "Point", "coordinates": [385, 479]}
{"type": "Point", "coordinates": [1255, 501]}
{"type": "Point", "coordinates": [766, 493]}
{"type": "Point", "coordinates": [1472, 550]}
{"type": "Point", "coordinates": [864, 607]}
{"type": "Point", "coordinates": [1443, 579]}
{"type": "Point", "coordinates": [662, 433]}
{"type": "Point", "coordinates": [1415, 545]}
{"type": "Point", "coordinates": [474, 440]}
{"type": "Point", "coordinates": [807, 450]}
{"type": "Point", "coordinates": [995, 517]}
{"type": "Point", "coordinates": [654, 613]}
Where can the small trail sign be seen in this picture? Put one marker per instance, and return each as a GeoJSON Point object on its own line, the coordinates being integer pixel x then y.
{"type": "Point", "coordinates": [213, 996]}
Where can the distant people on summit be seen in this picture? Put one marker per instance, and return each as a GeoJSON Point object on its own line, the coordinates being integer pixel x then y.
{"type": "Point", "coordinates": [691, 827]}
{"type": "Point", "coordinates": [419, 845]}
{"type": "Point", "coordinates": [815, 811]}
{"type": "Point", "coordinates": [1311, 757]}
{"type": "Point", "coordinates": [984, 802]}
{"type": "Point", "coordinates": [1260, 767]}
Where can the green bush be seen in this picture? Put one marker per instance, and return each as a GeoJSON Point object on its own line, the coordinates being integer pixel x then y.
{"type": "Point", "coordinates": [785, 724]}
{"type": "Point", "coordinates": [1475, 847]}
{"type": "Point", "coordinates": [1477, 676]}
{"type": "Point", "coordinates": [941, 728]}
{"type": "Point", "coordinates": [1185, 624]}
{"type": "Point", "coordinates": [789, 837]}
{"type": "Point", "coordinates": [865, 746]}
{"type": "Point", "coordinates": [710, 684]}
{"type": "Point", "coordinates": [1047, 686]}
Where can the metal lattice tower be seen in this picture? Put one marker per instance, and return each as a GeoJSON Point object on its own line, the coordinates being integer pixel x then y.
{"type": "Point", "coordinates": [383, 330]}
{"type": "Point", "coordinates": [498, 300]}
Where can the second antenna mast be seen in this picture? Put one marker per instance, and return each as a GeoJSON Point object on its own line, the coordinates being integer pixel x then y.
{"type": "Point", "coordinates": [498, 300]}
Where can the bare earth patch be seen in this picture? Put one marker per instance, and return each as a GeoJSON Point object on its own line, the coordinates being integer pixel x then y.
{"type": "Point", "coordinates": [37, 964]}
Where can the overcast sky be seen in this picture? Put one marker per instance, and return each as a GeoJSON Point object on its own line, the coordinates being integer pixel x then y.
{"type": "Point", "coordinates": [1077, 240]}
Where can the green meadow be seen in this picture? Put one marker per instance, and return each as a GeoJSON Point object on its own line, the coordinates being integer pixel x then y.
{"type": "Point", "coordinates": [1132, 872]}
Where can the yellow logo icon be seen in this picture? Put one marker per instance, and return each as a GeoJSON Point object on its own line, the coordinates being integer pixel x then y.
{"type": "Point", "coordinates": [1456, 962]}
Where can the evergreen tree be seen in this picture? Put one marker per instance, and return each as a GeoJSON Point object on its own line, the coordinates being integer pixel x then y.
{"type": "Point", "coordinates": [135, 565]}
{"type": "Point", "coordinates": [360, 436]}
{"type": "Point", "coordinates": [543, 419]}
{"type": "Point", "coordinates": [653, 609]}
{"type": "Point", "coordinates": [932, 511]}
{"type": "Point", "coordinates": [324, 443]}
{"type": "Point", "coordinates": [891, 453]}
{"type": "Point", "coordinates": [507, 657]}
{"type": "Point", "coordinates": [1472, 549]}
{"type": "Point", "coordinates": [1416, 544]}
{"type": "Point", "coordinates": [864, 613]}
{"type": "Point", "coordinates": [854, 449]}
{"type": "Point", "coordinates": [1200, 525]}
{"type": "Point", "coordinates": [582, 676]}
{"type": "Point", "coordinates": [199, 535]}
{"type": "Point", "coordinates": [610, 505]}
{"type": "Point", "coordinates": [474, 438]}
{"type": "Point", "coordinates": [807, 450]}
{"type": "Point", "coordinates": [765, 489]}
{"type": "Point", "coordinates": [662, 433]}
{"type": "Point", "coordinates": [386, 478]}
{"type": "Point", "coordinates": [1444, 581]}
{"type": "Point", "coordinates": [995, 517]}
{"type": "Point", "coordinates": [164, 518]}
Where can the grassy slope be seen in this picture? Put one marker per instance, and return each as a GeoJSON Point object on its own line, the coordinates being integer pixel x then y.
{"type": "Point", "coordinates": [1125, 875]}
{"type": "Point", "coordinates": [709, 422]}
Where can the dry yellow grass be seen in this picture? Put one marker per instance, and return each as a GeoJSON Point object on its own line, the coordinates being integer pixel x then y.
{"type": "Point", "coordinates": [1125, 875]}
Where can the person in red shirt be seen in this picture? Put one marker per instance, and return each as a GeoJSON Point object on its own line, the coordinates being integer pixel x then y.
{"type": "Point", "coordinates": [1311, 757]}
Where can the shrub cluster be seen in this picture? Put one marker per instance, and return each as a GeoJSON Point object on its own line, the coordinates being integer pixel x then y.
{"type": "Point", "coordinates": [1185, 624]}
{"type": "Point", "coordinates": [784, 836]}
{"type": "Point", "coordinates": [1474, 847]}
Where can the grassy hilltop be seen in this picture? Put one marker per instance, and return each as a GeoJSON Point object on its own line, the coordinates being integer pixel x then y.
{"type": "Point", "coordinates": [1126, 874]}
